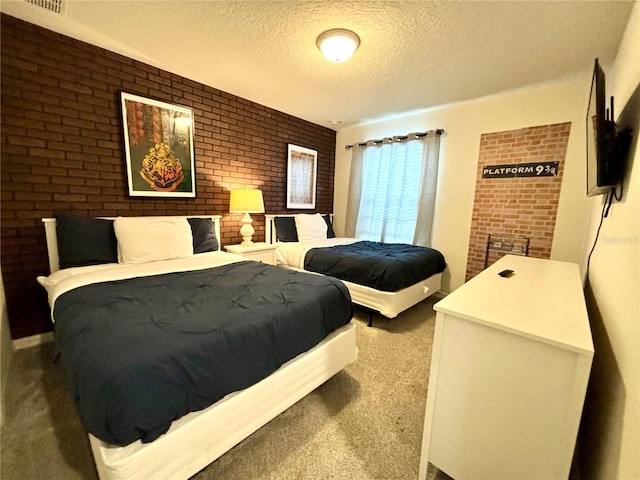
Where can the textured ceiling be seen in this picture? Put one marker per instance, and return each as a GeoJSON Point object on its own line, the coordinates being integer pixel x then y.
{"type": "Point", "coordinates": [413, 54]}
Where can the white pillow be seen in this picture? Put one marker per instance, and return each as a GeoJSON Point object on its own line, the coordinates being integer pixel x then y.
{"type": "Point", "coordinates": [311, 227]}
{"type": "Point", "coordinates": [142, 240]}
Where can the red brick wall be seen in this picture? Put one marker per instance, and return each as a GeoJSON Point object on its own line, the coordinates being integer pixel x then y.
{"type": "Point", "coordinates": [524, 207]}
{"type": "Point", "coordinates": [62, 150]}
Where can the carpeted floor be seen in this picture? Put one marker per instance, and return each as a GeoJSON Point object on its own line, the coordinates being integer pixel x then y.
{"type": "Point", "coordinates": [364, 423]}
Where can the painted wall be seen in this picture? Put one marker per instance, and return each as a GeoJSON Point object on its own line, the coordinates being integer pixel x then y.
{"type": "Point", "coordinates": [62, 150]}
{"type": "Point", "coordinates": [464, 123]}
{"type": "Point", "coordinates": [609, 440]}
{"type": "Point", "coordinates": [610, 437]}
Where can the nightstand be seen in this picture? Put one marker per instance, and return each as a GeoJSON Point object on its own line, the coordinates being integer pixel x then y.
{"type": "Point", "coordinates": [261, 252]}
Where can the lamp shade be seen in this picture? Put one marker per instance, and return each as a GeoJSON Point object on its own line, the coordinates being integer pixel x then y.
{"type": "Point", "coordinates": [338, 45]}
{"type": "Point", "coordinates": [246, 201]}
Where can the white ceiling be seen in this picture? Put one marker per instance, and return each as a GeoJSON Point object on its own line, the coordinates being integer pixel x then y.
{"type": "Point", "coordinates": [413, 55]}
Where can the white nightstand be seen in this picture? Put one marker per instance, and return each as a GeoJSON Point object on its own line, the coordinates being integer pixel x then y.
{"type": "Point", "coordinates": [261, 252]}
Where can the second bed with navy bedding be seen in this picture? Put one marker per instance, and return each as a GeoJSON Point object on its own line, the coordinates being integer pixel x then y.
{"type": "Point", "coordinates": [384, 266]}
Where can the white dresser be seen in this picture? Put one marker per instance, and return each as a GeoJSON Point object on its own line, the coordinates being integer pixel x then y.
{"type": "Point", "coordinates": [509, 371]}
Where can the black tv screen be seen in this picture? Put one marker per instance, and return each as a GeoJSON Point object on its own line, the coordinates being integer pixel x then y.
{"type": "Point", "coordinates": [603, 166]}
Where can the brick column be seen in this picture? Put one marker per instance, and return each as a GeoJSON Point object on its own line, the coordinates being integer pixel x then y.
{"type": "Point", "coordinates": [518, 206]}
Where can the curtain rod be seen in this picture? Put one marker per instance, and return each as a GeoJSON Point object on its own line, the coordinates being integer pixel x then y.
{"type": "Point", "coordinates": [399, 138]}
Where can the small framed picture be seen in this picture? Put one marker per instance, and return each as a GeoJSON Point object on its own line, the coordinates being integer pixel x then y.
{"type": "Point", "coordinates": [159, 153]}
{"type": "Point", "coordinates": [302, 166]}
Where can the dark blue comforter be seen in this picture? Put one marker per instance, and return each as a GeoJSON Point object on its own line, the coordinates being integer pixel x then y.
{"type": "Point", "coordinates": [384, 266]}
{"type": "Point", "coordinates": [142, 352]}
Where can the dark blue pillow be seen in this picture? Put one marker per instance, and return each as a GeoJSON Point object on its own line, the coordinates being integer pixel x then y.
{"type": "Point", "coordinates": [330, 232]}
{"type": "Point", "coordinates": [286, 229]}
{"type": "Point", "coordinates": [85, 241]}
{"type": "Point", "coordinates": [204, 235]}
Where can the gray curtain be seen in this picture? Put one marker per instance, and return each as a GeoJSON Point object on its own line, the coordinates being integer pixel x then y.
{"type": "Point", "coordinates": [355, 191]}
{"type": "Point", "coordinates": [428, 184]}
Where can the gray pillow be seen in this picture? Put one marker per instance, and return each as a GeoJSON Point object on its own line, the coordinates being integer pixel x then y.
{"type": "Point", "coordinates": [330, 232]}
{"type": "Point", "coordinates": [85, 241]}
{"type": "Point", "coordinates": [204, 235]}
{"type": "Point", "coordinates": [286, 229]}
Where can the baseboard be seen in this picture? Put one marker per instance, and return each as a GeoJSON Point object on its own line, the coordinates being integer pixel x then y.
{"type": "Point", "coordinates": [33, 340]}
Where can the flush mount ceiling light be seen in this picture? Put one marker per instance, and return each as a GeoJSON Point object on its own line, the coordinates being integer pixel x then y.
{"type": "Point", "coordinates": [338, 44]}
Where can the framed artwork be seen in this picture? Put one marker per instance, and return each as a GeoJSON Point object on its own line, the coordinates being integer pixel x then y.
{"type": "Point", "coordinates": [159, 153]}
{"type": "Point", "coordinates": [302, 165]}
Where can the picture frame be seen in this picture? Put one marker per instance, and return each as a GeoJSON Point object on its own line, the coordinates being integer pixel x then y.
{"type": "Point", "coordinates": [302, 173]}
{"type": "Point", "coordinates": [159, 149]}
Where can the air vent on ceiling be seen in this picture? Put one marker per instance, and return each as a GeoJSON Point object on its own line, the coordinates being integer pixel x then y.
{"type": "Point", "coordinates": [55, 6]}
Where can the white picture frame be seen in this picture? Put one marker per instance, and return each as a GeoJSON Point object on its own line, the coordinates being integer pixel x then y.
{"type": "Point", "coordinates": [302, 174]}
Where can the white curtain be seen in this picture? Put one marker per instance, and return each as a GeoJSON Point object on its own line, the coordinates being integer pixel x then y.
{"type": "Point", "coordinates": [392, 190]}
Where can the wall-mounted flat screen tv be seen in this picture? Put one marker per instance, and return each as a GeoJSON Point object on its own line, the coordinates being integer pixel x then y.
{"type": "Point", "coordinates": [605, 162]}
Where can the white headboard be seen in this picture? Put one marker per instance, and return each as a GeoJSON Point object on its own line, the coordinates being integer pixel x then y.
{"type": "Point", "coordinates": [52, 239]}
{"type": "Point", "coordinates": [270, 225]}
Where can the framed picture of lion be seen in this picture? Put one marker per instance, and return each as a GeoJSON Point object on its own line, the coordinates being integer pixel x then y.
{"type": "Point", "coordinates": [159, 153]}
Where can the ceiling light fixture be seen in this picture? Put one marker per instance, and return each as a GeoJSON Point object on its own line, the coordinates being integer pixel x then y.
{"type": "Point", "coordinates": [338, 44]}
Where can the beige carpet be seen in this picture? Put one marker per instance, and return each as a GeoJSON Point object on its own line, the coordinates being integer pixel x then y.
{"type": "Point", "coordinates": [364, 423]}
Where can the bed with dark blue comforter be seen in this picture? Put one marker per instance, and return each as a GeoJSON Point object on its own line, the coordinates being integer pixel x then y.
{"type": "Point", "coordinates": [142, 352]}
{"type": "Point", "coordinates": [388, 267]}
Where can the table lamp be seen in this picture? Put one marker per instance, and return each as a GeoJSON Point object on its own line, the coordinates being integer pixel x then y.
{"type": "Point", "coordinates": [246, 201]}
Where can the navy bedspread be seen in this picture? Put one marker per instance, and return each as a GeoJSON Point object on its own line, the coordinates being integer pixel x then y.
{"type": "Point", "coordinates": [142, 352]}
{"type": "Point", "coordinates": [384, 266]}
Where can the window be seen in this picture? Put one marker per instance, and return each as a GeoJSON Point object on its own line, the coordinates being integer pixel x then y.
{"type": "Point", "coordinates": [392, 189]}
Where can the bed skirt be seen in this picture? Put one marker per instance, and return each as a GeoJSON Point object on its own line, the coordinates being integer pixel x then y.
{"type": "Point", "coordinates": [389, 304]}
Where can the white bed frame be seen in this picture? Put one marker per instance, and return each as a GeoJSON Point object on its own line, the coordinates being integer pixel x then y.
{"type": "Point", "coordinates": [389, 304]}
{"type": "Point", "coordinates": [199, 438]}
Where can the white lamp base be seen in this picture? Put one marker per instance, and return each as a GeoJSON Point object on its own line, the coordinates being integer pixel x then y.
{"type": "Point", "coordinates": [246, 230]}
